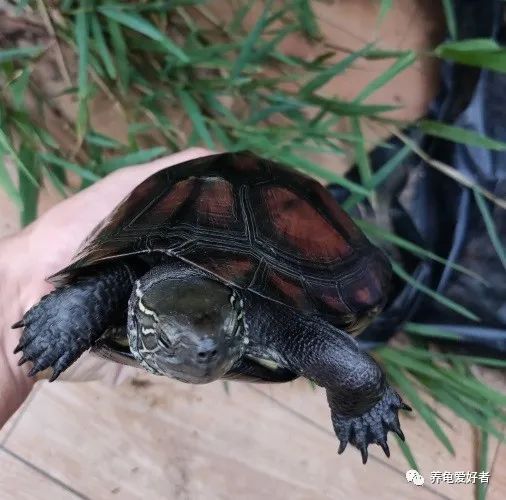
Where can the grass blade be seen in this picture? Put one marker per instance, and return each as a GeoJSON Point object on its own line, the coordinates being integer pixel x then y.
{"type": "Point", "coordinates": [7, 148]}
{"type": "Point", "coordinates": [81, 36]}
{"type": "Point", "coordinates": [397, 67]}
{"type": "Point", "coordinates": [491, 229]}
{"type": "Point", "coordinates": [142, 156]}
{"type": "Point", "coordinates": [141, 25]}
{"type": "Point", "coordinates": [253, 37]}
{"type": "Point", "coordinates": [29, 193]}
{"type": "Point", "coordinates": [199, 123]}
{"type": "Point", "coordinates": [7, 183]}
{"type": "Point", "coordinates": [460, 135]}
{"type": "Point", "coordinates": [375, 231]}
{"type": "Point", "coordinates": [361, 156]}
{"type": "Point", "coordinates": [411, 393]}
{"type": "Point", "coordinates": [102, 49]}
{"type": "Point", "coordinates": [481, 52]}
{"type": "Point", "coordinates": [451, 21]}
{"type": "Point", "coordinates": [7, 55]}
{"type": "Point", "coordinates": [331, 72]}
{"type": "Point", "coordinates": [434, 295]}
{"type": "Point", "coordinates": [60, 162]}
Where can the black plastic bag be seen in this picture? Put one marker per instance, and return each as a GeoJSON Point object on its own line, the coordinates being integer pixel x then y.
{"type": "Point", "coordinates": [423, 205]}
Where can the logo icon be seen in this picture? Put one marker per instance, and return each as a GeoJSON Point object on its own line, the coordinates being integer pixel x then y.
{"type": "Point", "coordinates": [413, 476]}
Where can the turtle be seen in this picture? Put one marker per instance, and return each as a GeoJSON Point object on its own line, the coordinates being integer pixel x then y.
{"type": "Point", "coordinates": [229, 266]}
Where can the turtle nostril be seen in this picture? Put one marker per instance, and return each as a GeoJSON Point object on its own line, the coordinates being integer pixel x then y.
{"type": "Point", "coordinates": [206, 355]}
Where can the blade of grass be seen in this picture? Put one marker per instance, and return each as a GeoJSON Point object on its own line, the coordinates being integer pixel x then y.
{"type": "Point", "coordinates": [406, 451]}
{"type": "Point", "coordinates": [491, 229]}
{"type": "Point", "coordinates": [60, 162]}
{"type": "Point", "coordinates": [481, 52]}
{"type": "Point", "coordinates": [142, 156]}
{"type": "Point", "coordinates": [402, 63]}
{"type": "Point", "coordinates": [141, 25]}
{"type": "Point", "coordinates": [451, 21]}
{"type": "Point", "coordinates": [29, 193]}
{"type": "Point", "coordinates": [331, 72]}
{"type": "Point", "coordinates": [361, 156]}
{"type": "Point", "coordinates": [460, 135]}
{"type": "Point", "coordinates": [381, 233]}
{"type": "Point", "coordinates": [199, 123]}
{"type": "Point", "coordinates": [102, 49]}
{"type": "Point", "coordinates": [253, 37]}
{"type": "Point", "coordinates": [434, 295]}
{"type": "Point", "coordinates": [317, 171]}
{"type": "Point", "coordinates": [120, 54]}
{"type": "Point", "coordinates": [7, 55]}
{"type": "Point", "coordinates": [378, 177]}
{"type": "Point", "coordinates": [81, 38]}
{"type": "Point", "coordinates": [429, 331]}
{"type": "Point", "coordinates": [7, 148]}
{"type": "Point", "coordinates": [7, 183]}
{"type": "Point", "coordinates": [411, 393]}
{"type": "Point", "coordinates": [481, 487]}
{"type": "Point", "coordinates": [385, 7]}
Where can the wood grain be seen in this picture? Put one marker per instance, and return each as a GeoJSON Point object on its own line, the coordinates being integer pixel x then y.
{"type": "Point", "coordinates": [164, 439]}
{"type": "Point", "coordinates": [19, 481]}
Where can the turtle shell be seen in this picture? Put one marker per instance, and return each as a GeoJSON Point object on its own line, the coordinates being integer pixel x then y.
{"type": "Point", "coordinates": [255, 225]}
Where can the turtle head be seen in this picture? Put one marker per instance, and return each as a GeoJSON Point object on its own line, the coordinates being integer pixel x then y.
{"type": "Point", "coordinates": [189, 329]}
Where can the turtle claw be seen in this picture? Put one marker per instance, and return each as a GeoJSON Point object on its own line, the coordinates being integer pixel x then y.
{"type": "Point", "coordinates": [370, 427]}
{"type": "Point", "coordinates": [45, 341]}
{"type": "Point", "coordinates": [363, 451]}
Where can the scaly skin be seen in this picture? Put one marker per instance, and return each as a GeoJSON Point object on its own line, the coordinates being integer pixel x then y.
{"type": "Point", "coordinates": [67, 322]}
{"type": "Point", "coordinates": [363, 406]}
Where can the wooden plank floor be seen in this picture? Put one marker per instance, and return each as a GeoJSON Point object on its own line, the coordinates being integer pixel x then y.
{"type": "Point", "coordinates": [160, 439]}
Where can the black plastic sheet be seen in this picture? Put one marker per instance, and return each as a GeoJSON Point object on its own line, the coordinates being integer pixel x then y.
{"type": "Point", "coordinates": [423, 205]}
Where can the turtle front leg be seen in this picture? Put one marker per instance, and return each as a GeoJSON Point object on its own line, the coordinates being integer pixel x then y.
{"type": "Point", "coordinates": [363, 406]}
{"type": "Point", "coordinates": [68, 321]}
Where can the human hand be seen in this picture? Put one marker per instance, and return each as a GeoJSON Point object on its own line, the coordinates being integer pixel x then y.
{"type": "Point", "coordinates": [40, 250]}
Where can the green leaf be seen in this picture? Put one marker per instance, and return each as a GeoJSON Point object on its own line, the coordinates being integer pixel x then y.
{"type": "Point", "coordinates": [102, 141]}
{"type": "Point", "coordinates": [6, 146]}
{"type": "Point", "coordinates": [141, 25]}
{"type": "Point", "coordinates": [7, 55]}
{"type": "Point", "coordinates": [429, 331]}
{"type": "Point", "coordinates": [60, 162]}
{"type": "Point", "coordinates": [249, 42]}
{"type": "Point", "coordinates": [397, 67]}
{"type": "Point", "coordinates": [81, 36]}
{"type": "Point", "coordinates": [434, 295]}
{"type": "Point", "coordinates": [28, 192]}
{"type": "Point", "coordinates": [490, 225]}
{"type": "Point", "coordinates": [120, 53]}
{"type": "Point", "coordinates": [451, 21]}
{"type": "Point", "coordinates": [380, 176]}
{"type": "Point", "coordinates": [460, 135]}
{"type": "Point", "coordinates": [385, 7]}
{"type": "Point", "coordinates": [6, 182]}
{"type": "Point", "coordinates": [482, 464]}
{"type": "Point", "coordinates": [317, 171]}
{"type": "Point", "coordinates": [102, 49]}
{"type": "Point", "coordinates": [411, 393]}
{"type": "Point", "coordinates": [331, 72]}
{"type": "Point", "coordinates": [199, 123]}
{"type": "Point", "coordinates": [307, 18]}
{"type": "Point", "coordinates": [18, 88]}
{"type": "Point", "coordinates": [142, 156]}
{"type": "Point", "coordinates": [406, 451]}
{"type": "Point", "coordinates": [361, 156]}
{"type": "Point", "coordinates": [373, 230]}
{"type": "Point", "coordinates": [347, 108]}
{"type": "Point", "coordinates": [481, 52]}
